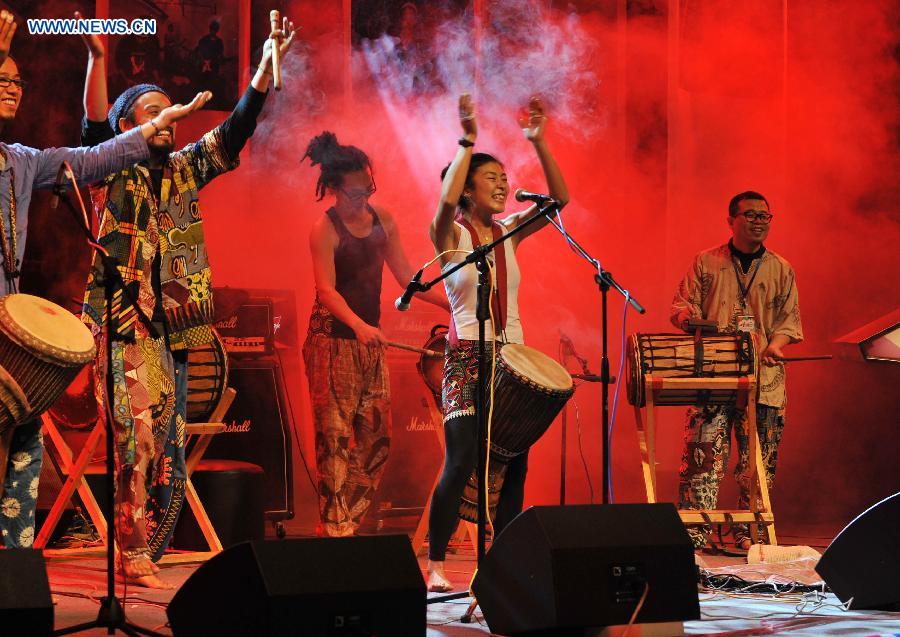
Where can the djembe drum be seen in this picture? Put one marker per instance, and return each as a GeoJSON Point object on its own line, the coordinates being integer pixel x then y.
{"type": "Point", "coordinates": [42, 348]}
{"type": "Point", "coordinates": [207, 378]}
{"type": "Point", "coordinates": [530, 389]}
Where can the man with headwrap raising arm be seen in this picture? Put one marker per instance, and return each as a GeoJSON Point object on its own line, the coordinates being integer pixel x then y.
{"type": "Point", "coordinates": [22, 170]}
{"type": "Point", "coordinates": [151, 223]}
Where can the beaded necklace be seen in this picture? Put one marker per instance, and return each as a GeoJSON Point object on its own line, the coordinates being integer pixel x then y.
{"type": "Point", "coordinates": [10, 244]}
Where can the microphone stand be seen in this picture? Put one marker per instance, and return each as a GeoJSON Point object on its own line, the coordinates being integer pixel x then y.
{"type": "Point", "coordinates": [588, 377]}
{"type": "Point", "coordinates": [605, 281]}
{"type": "Point", "coordinates": [112, 612]}
{"type": "Point", "coordinates": [478, 256]}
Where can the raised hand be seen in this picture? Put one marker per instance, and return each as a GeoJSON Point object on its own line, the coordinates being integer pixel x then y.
{"type": "Point", "coordinates": [177, 112]}
{"type": "Point", "coordinates": [7, 30]}
{"type": "Point", "coordinates": [92, 42]}
{"type": "Point", "coordinates": [284, 43]}
{"type": "Point", "coordinates": [534, 120]}
{"type": "Point", "coordinates": [467, 116]}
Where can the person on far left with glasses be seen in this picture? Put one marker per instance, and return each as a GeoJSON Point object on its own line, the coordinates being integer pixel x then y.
{"type": "Point", "coordinates": [744, 287]}
{"type": "Point", "coordinates": [344, 350]}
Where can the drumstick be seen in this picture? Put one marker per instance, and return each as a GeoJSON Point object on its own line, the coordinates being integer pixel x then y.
{"type": "Point", "coordinates": [275, 20]}
{"type": "Point", "coordinates": [794, 359]}
{"type": "Point", "coordinates": [413, 348]}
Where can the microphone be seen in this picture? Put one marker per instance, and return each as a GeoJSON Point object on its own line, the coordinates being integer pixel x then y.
{"type": "Point", "coordinates": [59, 186]}
{"type": "Point", "coordinates": [402, 303]}
{"type": "Point", "coordinates": [524, 195]}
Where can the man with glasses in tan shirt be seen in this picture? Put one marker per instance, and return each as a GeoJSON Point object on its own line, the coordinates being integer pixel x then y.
{"type": "Point", "coordinates": [743, 287]}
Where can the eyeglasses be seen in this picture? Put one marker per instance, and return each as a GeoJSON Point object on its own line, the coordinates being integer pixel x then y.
{"type": "Point", "coordinates": [752, 215]}
{"type": "Point", "coordinates": [6, 81]}
{"type": "Point", "coordinates": [360, 194]}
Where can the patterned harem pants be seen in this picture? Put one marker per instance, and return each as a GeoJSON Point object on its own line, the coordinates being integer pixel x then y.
{"type": "Point", "coordinates": [707, 438]}
{"type": "Point", "coordinates": [349, 389]}
{"type": "Point", "coordinates": [149, 407]}
{"type": "Point", "coordinates": [20, 487]}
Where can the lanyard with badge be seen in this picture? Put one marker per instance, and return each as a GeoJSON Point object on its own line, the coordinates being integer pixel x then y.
{"type": "Point", "coordinates": [745, 322]}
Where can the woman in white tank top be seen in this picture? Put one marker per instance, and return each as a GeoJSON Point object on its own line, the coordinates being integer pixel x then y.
{"type": "Point", "coordinates": [474, 191]}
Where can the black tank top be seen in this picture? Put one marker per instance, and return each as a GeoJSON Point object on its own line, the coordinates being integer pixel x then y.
{"type": "Point", "coordinates": [358, 265]}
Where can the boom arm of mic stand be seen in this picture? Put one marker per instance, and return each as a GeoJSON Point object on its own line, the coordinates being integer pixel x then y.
{"type": "Point", "coordinates": [602, 275]}
{"type": "Point", "coordinates": [478, 253]}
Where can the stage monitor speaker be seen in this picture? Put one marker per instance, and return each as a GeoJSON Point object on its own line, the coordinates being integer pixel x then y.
{"type": "Point", "coordinates": [559, 570]}
{"type": "Point", "coordinates": [862, 564]}
{"type": "Point", "coordinates": [315, 587]}
{"type": "Point", "coordinates": [258, 430]}
{"type": "Point", "coordinates": [26, 607]}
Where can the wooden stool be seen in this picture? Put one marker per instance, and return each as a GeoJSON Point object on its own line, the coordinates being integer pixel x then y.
{"type": "Point", "coordinates": [760, 513]}
{"type": "Point", "coordinates": [233, 497]}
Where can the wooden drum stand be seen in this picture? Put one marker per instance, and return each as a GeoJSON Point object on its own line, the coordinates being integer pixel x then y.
{"type": "Point", "coordinates": [664, 390]}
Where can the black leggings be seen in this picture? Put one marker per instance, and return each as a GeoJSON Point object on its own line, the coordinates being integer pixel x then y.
{"type": "Point", "coordinates": [460, 458]}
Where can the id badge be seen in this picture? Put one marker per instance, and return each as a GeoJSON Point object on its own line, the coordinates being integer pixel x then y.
{"type": "Point", "coordinates": [746, 323]}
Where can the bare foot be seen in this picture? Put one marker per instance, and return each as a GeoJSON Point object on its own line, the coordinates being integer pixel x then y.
{"type": "Point", "coordinates": [437, 579]}
{"type": "Point", "coordinates": [142, 572]}
{"type": "Point", "coordinates": [154, 567]}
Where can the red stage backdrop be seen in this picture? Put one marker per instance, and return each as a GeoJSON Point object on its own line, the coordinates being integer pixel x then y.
{"type": "Point", "coordinates": [659, 112]}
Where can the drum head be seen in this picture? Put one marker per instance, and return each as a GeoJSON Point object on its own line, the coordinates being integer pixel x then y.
{"type": "Point", "coordinates": [539, 368]}
{"type": "Point", "coordinates": [47, 330]}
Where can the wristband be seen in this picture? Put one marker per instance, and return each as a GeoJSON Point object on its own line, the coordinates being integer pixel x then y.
{"type": "Point", "coordinates": [465, 143]}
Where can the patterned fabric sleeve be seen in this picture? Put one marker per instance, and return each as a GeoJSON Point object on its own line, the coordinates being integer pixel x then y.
{"type": "Point", "coordinates": [689, 296]}
{"type": "Point", "coordinates": [206, 158]}
{"type": "Point", "coordinates": [787, 309]}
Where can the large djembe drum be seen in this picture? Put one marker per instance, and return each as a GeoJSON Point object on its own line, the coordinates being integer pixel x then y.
{"type": "Point", "coordinates": [530, 389]}
{"type": "Point", "coordinates": [42, 348]}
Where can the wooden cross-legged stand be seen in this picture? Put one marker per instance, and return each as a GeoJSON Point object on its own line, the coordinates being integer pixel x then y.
{"type": "Point", "coordinates": [75, 470]}
{"type": "Point", "coordinates": [760, 512]}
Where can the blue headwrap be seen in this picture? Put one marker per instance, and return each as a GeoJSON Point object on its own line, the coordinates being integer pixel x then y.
{"type": "Point", "coordinates": [125, 101]}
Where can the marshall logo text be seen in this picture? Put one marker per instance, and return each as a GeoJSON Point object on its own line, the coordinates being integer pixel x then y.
{"type": "Point", "coordinates": [234, 427]}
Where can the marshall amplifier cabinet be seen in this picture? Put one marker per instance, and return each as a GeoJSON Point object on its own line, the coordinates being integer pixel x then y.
{"type": "Point", "coordinates": [258, 430]}
{"type": "Point", "coordinates": [248, 328]}
{"type": "Point", "coordinates": [253, 322]}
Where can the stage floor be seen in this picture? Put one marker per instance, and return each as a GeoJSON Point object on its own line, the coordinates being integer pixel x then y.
{"type": "Point", "coordinates": [77, 584]}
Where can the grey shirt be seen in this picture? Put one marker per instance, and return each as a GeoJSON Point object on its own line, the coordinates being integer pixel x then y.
{"type": "Point", "coordinates": [37, 169]}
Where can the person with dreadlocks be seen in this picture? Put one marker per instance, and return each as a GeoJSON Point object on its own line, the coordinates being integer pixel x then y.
{"type": "Point", "coordinates": [474, 190]}
{"type": "Point", "coordinates": [151, 223]}
{"type": "Point", "coordinates": [345, 364]}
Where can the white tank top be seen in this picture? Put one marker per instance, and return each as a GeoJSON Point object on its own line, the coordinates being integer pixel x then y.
{"type": "Point", "coordinates": [461, 291]}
